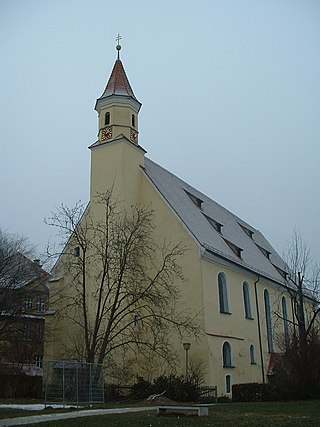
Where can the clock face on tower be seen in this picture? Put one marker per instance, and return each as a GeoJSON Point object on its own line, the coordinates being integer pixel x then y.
{"type": "Point", "coordinates": [106, 133]}
{"type": "Point", "coordinates": [134, 136]}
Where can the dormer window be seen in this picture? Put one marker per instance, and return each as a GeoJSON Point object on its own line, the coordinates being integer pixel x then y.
{"type": "Point", "coordinates": [198, 202]}
{"type": "Point", "coordinates": [265, 252]}
{"type": "Point", "coordinates": [235, 249]}
{"type": "Point", "coordinates": [133, 121]}
{"type": "Point", "coordinates": [248, 232]}
{"type": "Point", "coordinates": [283, 273]}
{"type": "Point", "coordinates": [107, 119]}
{"type": "Point", "coordinates": [215, 224]}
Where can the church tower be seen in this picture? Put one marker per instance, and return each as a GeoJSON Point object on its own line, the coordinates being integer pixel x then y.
{"type": "Point", "coordinates": [116, 157]}
{"type": "Point", "coordinates": [118, 108]}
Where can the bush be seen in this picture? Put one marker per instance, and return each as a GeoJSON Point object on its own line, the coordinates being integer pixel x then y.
{"type": "Point", "coordinates": [175, 388]}
{"type": "Point", "coordinates": [141, 389]}
{"type": "Point", "coordinates": [13, 386]}
{"type": "Point", "coordinates": [255, 392]}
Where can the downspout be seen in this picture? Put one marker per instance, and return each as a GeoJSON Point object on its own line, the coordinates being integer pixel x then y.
{"type": "Point", "coordinates": [259, 328]}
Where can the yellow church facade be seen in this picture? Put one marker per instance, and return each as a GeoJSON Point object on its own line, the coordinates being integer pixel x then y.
{"type": "Point", "coordinates": [236, 282]}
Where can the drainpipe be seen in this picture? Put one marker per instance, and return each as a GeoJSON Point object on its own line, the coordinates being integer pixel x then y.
{"type": "Point", "coordinates": [259, 328]}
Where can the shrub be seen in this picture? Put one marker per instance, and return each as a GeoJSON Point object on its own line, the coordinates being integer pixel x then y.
{"type": "Point", "coordinates": [255, 392]}
{"type": "Point", "coordinates": [175, 388]}
{"type": "Point", "coordinates": [141, 389]}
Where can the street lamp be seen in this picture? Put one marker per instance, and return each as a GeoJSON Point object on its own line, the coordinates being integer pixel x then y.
{"type": "Point", "coordinates": [186, 346]}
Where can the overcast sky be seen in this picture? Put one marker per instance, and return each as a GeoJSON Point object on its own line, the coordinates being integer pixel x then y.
{"type": "Point", "coordinates": [231, 103]}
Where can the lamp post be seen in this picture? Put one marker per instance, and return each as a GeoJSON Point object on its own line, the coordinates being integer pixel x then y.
{"type": "Point", "coordinates": [186, 346]}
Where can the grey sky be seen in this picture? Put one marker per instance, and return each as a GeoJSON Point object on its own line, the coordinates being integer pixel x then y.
{"type": "Point", "coordinates": [230, 92]}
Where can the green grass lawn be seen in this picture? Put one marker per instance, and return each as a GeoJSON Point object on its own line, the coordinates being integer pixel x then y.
{"type": "Point", "coordinates": [271, 414]}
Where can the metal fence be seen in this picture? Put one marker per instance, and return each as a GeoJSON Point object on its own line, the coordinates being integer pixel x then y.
{"type": "Point", "coordinates": [72, 382]}
{"type": "Point", "coordinates": [208, 394]}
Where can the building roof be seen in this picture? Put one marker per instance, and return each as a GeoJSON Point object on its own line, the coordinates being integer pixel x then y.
{"type": "Point", "coordinates": [219, 232]}
{"type": "Point", "coordinates": [19, 271]}
{"type": "Point", "coordinates": [118, 83]}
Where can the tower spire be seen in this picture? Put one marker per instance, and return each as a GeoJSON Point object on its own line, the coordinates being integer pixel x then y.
{"type": "Point", "coordinates": [118, 107]}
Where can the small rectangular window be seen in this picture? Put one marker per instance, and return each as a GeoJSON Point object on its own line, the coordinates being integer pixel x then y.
{"type": "Point", "coordinates": [41, 307]}
{"type": "Point", "coordinates": [27, 331]}
{"type": "Point", "coordinates": [38, 360]}
{"type": "Point", "coordinates": [28, 304]}
{"type": "Point", "coordinates": [137, 321]}
{"type": "Point", "coordinates": [76, 251]}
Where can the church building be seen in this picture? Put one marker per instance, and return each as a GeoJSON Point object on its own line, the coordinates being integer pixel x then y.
{"type": "Point", "coordinates": [235, 280]}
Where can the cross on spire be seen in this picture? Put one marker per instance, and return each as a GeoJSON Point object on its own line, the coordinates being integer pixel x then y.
{"type": "Point", "coordinates": [118, 47]}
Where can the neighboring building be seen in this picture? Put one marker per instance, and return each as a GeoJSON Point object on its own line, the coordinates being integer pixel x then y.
{"type": "Point", "coordinates": [235, 278]}
{"type": "Point", "coordinates": [24, 298]}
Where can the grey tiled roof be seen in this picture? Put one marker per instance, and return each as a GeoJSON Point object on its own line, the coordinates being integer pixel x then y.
{"type": "Point", "coordinates": [257, 255]}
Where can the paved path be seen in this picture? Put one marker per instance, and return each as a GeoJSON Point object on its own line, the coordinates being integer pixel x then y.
{"type": "Point", "coordinates": [62, 416]}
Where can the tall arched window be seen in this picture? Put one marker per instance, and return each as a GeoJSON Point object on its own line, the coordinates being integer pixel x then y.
{"type": "Point", "coordinates": [285, 320]}
{"type": "Point", "coordinates": [246, 300]}
{"type": "Point", "coordinates": [227, 355]}
{"type": "Point", "coordinates": [107, 119]}
{"type": "Point", "coordinates": [252, 355]}
{"type": "Point", "coordinates": [268, 320]}
{"type": "Point", "coordinates": [228, 384]}
{"type": "Point", "coordinates": [223, 294]}
{"type": "Point", "coordinates": [133, 121]}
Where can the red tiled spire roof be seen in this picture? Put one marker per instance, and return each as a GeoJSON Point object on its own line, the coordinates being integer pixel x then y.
{"type": "Point", "coordinates": [118, 83]}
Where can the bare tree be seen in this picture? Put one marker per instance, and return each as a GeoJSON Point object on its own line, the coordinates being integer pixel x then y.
{"type": "Point", "coordinates": [14, 272]}
{"type": "Point", "coordinates": [125, 287]}
{"type": "Point", "coordinates": [305, 281]}
{"type": "Point", "coordinates": [297, 371]}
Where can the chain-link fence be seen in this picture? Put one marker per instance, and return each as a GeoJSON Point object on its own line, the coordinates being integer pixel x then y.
{"type": "Point", "coordinates": [72, 382]}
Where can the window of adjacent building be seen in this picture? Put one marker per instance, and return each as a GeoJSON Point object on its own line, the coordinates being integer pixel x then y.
{"type": "Point", "coordinates": [246, 300]}
{"type": "Point", "coordinates": [133, 121]}
{"type": "Point", "coordinates": [227, 355]}
{"type": "Point", "coordinates": [137, 321]}
{"type": "Point", "coordinates": [223, 293]}
{"type": "Point", "coordinates": [228, 384]}
{"type": "Point", "coordinates": [41, 306]}
{"type": "Point", "coordinates": [268, 320]}
{"type": "Point", "coordinates": [28, 304]}
{"type": "Point", "coordinates": [38, 360]}
{"type": "Point", "coordinates": [27, 359]}
{"type": "Point", "coordinates": [107, 119]}
{"type": "Point", "coordinates": [252, 355]}
{"type": "Point", "coordinates": [285, 320]}
{"type": "Point", "coordinates": [39, 331]}
{"type": "Point", "coordinates": [76, 251]}
{"type": "Point", "coordinates": [27, 331]}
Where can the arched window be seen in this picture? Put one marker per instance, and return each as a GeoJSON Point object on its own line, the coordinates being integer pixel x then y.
{"type": "Point", "coordinates": [268, 320]}
{"type": "Point", "coordinates": [228, 384]}
{"type": "Point", "coordinates": [285, 320]}
{"type": "Point", "coordinates": [252, 355]}
{"type": "Point", "coordinates": [227, 355]}
{"type": "Point", "coordinates": [107, 119]}
{"type": "Point", "coordinates": [223, 294]}
{"type": "Point", "coordinates": [246, 300]}
{"type": "Point", "coordinates": [133, 121]}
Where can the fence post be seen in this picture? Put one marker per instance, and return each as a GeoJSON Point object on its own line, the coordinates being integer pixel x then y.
{"type": "Point", "coordinates": [63, 386]}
